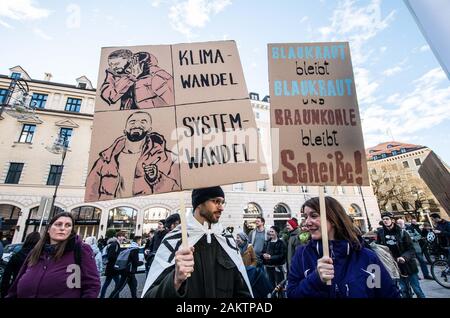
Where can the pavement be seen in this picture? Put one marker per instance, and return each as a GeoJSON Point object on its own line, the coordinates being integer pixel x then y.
{"type": "Point", "coordinates": [429, 287]}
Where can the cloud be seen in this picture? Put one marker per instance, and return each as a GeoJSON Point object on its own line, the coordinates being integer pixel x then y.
{"type": "Point", "coordinates": [304, 19]}
{"type": "Point", "coordinates": [392, 71]}
{"type": "Point", "coordinates": [190, 14]}
{"type": "Point", "coordinates": [22, 10]}
{"type": "Point", "coordinates": [424, 48]}
{"type": "Point", "coordinates": [6, 25]}
{"type": "Point", "coordinates": [383, 49]}
{"type": "Point", "coordinates": [356, 24]}
{"type": "Point", "coordinates": [406, 114]}
{"type": "Point", "coordinates": [42, 34]}
{"type": "Point", "coordinates": [365, 85]}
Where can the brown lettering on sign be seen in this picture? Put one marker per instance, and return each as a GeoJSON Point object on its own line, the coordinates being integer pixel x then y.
{"type": "Point", "coordinates": [315, 112]}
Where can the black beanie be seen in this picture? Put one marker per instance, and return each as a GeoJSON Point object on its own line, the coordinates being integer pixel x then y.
{"type": "Point", "coordinates": [204, 194]}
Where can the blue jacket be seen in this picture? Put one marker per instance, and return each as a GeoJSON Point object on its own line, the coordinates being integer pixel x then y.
{"type": "Point", "coordinates": [351, 273]}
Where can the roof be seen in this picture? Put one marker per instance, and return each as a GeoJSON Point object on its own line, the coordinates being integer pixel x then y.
{"type": "Point", "coordinates": [53, 84]}
{"type": "Point", "coordinates": [389, 149]}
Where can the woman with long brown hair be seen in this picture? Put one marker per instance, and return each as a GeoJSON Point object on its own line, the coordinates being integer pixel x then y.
{"type": "Point", "coordinates": [354, 271]}
{"type": "Point", "coordinates": [59, 266]}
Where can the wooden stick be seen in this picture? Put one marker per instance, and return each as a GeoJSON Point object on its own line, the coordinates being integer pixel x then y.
{"type": "Point", "coordinates": [323, 224]}
{"type": "Point", "coordinates": [184, 238]}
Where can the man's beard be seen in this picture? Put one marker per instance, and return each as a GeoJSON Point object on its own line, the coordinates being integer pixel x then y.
{"type": "Point", "coordinates": [133, 137]}
{"type": "Point", "coordinates": [209, 216]}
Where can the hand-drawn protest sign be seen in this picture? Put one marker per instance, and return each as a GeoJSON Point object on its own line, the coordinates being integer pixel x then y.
{"type": "Point", "coordinates": [316, 130]}
{"type": "Point", "coordinates": [170, 118]}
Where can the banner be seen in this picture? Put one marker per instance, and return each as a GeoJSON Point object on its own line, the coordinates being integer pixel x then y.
{"type": "Point", "coordinates": [170, 118]}
{"type": "Point", "coordinates": [316, 128]}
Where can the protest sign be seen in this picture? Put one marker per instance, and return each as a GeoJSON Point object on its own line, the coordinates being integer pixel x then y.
{"type": "Point", "coordinates": [170, 118]}
{"type": "Point", "coordinates": [316, 128]}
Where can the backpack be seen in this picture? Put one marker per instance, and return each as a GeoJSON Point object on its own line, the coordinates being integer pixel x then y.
{"type": "Point", "coordinates": [122, 259]}
{"type": "Point", "coordinates": [386, 258]}
{"type": "Point", "coordinates": [105, 253]}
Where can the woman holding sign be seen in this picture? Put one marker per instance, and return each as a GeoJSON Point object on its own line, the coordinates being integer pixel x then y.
{"type": "Point", "coordinates": [354, 271]}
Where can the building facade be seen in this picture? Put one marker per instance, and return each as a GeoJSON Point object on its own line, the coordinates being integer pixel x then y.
{"type": "Point", "coordinates": [31, 172]}
{"type": "Point", "coordinates": [394, 172]}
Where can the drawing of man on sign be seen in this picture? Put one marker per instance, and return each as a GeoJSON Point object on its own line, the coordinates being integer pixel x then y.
{"type": "Point", "coordinates": [137, 163]}
{"type": "Point", "coordinates": [137, 81]}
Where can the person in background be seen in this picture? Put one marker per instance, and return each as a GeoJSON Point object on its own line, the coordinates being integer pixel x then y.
{"type": "Point", "coordinates": [16, 261]}
{"type": "Point", "coordinates": [274, 257]}
{"type": "Point", "coordinates": [402, 249]}
{"type": "Point", "coordinates": [54, 262]}
{"type": "Point", "coordinates": [293, 240]}
{"type": "Point", "coordinates": [258, 237]}
{"type": "Point", "coordinates": [92, 242]}
{"type": "Point", "coordinates": [246, 249]}
{"type": "Point", "coordinates": [112, 251]}
{"type": "Point", "coordinates": [349, 266]}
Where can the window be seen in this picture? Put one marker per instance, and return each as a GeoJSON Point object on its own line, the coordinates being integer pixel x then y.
{"type": "Point", "coordinates": [257, 115]}
{"type": "Point", "coordinates": [383, 155]}
{"type": "Point", "coordinates": [55, 175]}
{"type": "Point", "coordinates": [27, 133]}
{"type": "Point", "coordinates": [374, 171]}
{"type": "Point", "coordinates": [3, 94]}
{"type": "Point", "coordinates": [389, 146]}
{"type": "Point", "coordinates": [73, 105]}
{"type": "Point", "coordinates": [405, 164]}
{"type": "Point", "coordinates": [375, 157]}
{"type": "Point", "coordinates": [64, 136]}
{"type": "Point", "coordinates": [238, 187]}
{"type": "Point", "coordinates": [394, 152]}
{"type": "Point", "coordinates": [16, 75]}
{"type": "Point", "coordinates": [82, 85]}
{"type": "Point", "coordinates": [417, 161]}
{"type": "Point", "coordinates": [402, 150]}
{"type": "Point", "coordinates": [38, 100]}
{"type": "Point", "coordinates": [304, 189]}
{"type": "Point", "coordinates": [261, 186]}
{"type": "Point", "coordinates": [394, 207]}
{"type": "Point", "coordinates": [14, 172]}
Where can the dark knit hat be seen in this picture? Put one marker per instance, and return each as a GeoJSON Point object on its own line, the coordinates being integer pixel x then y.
{"type": "Point", "coordinates": [204, 194]}
{"type": "Point", "coordinates": [171, 219]}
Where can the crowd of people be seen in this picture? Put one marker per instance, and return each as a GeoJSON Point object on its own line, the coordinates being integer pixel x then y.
{"type": "Point", "coordinates": [266, 262]}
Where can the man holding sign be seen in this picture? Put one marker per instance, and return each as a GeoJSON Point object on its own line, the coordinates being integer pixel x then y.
{"type": "Point", "coordinates": [211, 267]}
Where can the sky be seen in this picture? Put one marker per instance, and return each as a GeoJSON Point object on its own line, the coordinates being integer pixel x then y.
{"type": "Point", "coordinates": [403, 93]}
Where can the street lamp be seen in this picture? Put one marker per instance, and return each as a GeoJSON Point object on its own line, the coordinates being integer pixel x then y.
{"type": "Point", "coordinates": [59, 147]}
{"type": "Point", "coordinates": [369, 225]}
{"type": "Point", "coordinates": [17, 101]}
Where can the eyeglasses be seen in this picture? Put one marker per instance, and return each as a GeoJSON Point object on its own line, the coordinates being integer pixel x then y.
{"type": "Point", "coordinates": [218, 202]}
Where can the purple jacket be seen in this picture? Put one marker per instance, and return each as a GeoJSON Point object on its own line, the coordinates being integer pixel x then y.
{"type": "Point", "coordinates": [48, 278]}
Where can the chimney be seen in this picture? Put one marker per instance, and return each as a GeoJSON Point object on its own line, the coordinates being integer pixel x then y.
{"type": "Point", "coordinates": [47, 77]}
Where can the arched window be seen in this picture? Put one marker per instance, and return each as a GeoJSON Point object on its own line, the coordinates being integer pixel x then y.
{"type": "Point", "coordinates": [123, 218]}
{"type": "Point", "coordinates": [152, 216]}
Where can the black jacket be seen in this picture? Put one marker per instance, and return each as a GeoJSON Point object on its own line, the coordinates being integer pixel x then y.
{"type": "Point", "coordinates": [444, 236]}
{"type": "Point", "coordinates": [12, 269]}
{"type": "Point", "coordinates": [113, 250]}
{"type": "Point", "coordinates": [400, 245]}
{"type": "Point", "coordinates": [277, 251]}
{"type": "Point", "coordinates": [215, 276]}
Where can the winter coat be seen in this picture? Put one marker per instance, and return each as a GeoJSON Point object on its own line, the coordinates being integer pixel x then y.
{"type": "Point", "coordinates": [49, 278]}
{"type": "Point", "coordinates": [444, 236]}
{"type": "Point", "coordinates": [103, 180]}
{"type": "Point", "coordinates": [277, 251]}
{"type": "Point", "coordinates": [400, 245]}
{"type": "Point", "coordinates": [292, 244]}
{"type": "Point", "coordinates": [352, 273]}
{"type": "Point", "coordinates": [12, 269]}
{"type": "Point", "coordinates": [112, 251]}
{"type": "Point", "coordinates": [249, 256]}
{"type": "Point", "coordinates": [98, 258]}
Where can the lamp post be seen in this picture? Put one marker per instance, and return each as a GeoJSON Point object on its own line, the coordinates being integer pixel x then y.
{"type": "Point", "coordinates": [59, 147]}
{"type": "Point", "coordinates": [369, 225]}
{"type": "Point", "coordinates": [17, 99]}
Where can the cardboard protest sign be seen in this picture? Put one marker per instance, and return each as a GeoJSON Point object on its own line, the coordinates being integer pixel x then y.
{"type": "Point", "coordinates": [170, 118]}
{"type": "Point", "coordinates": [316, 129]}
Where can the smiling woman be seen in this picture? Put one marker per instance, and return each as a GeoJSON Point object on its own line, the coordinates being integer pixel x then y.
{"type": "Point", "coordinates": [354, 271]}
{"type": "Point", "coordinates": [59, 266]}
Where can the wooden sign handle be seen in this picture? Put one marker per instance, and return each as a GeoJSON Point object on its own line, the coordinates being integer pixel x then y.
{"type": "Point", "coordinates": [184, 238]}
{"type": "Point", "coordinates": [323, 225]}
